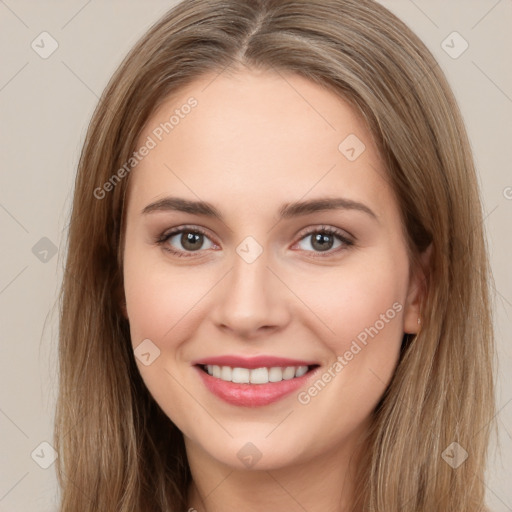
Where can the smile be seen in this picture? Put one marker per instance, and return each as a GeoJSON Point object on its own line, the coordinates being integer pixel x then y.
{"type": "Point", "coordinates": [253, 382]}
{"type": "Point", "coordinates": [263, 375]}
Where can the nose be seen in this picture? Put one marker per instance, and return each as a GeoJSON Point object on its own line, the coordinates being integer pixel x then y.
{"type": "Point", "coordinates": [251, 301]}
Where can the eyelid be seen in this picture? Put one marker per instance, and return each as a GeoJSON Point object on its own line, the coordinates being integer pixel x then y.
{"type": "Point", "coordinates": [326, 228]}
{"type": "Point", "coordinates": [184, 227]}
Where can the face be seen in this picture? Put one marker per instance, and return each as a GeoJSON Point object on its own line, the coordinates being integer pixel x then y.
{"type": "Point", "coordinates": [295, 263]}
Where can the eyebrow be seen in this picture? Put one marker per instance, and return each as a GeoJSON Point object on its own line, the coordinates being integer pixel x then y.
{"type": "Point", "coordinates": [287, 211]}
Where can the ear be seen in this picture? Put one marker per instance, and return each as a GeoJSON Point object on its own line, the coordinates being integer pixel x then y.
{"type": "Point", "coordinates": [416, 293]}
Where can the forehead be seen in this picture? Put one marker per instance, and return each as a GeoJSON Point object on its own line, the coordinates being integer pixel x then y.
{"type": "Point", "coordinates": [257, 134]}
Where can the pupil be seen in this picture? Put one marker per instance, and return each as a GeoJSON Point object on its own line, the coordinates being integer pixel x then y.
{"type": "Point", "coordinates": [323, 240]}
{"type": "Point", "coordinates": [189, 240]}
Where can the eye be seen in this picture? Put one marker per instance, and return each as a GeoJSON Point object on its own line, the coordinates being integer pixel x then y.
{"type": "Point", "coordinates": [323, 240]}
{"type": "Point", "coordinates": [190, 239]}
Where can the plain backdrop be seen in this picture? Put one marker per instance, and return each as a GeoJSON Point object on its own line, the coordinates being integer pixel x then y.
{"type": "Point", "coordinates": [46, 102]}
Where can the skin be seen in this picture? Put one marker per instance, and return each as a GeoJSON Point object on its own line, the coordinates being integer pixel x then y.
{"type": "Point", "coordinates": [255, 141]}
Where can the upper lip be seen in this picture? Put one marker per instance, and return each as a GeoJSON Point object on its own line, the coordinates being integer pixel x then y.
{"type": "Point", "coordinates": [252, 362]}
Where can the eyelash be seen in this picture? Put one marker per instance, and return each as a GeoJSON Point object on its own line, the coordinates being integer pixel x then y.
{"type": "Point", "coordinates": [162, 239]}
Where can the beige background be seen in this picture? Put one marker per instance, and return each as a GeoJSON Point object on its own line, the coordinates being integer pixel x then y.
{"type": "Point", "coordinates": [45, 106]}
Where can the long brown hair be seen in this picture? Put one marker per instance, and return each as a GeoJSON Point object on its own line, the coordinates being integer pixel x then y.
{"type": "Point", "coordinates": [117, 449]}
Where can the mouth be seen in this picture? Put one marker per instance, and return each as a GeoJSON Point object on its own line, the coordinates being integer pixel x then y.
{"type": "Point", "coordinates": [264, 375]}
{"type": "Point", "coordinates": [253, 387]}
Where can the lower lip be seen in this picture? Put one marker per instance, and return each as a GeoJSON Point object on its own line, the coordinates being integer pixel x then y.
{"type": "Point", "coordinates": [252, 395]}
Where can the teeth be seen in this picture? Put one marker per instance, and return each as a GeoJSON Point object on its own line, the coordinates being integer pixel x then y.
{"type": "Point", "coordinates": [275, 374]}
{"type": "Point", "coordinates": [301, 370]}
{"type": "Point", "coordinates": [226, 372]}
{"type": "Point", "coordinates": [240, 375]}
{"type": "Point", "coordinates": [259, 376]}
{"type": "Point", "coordinates": [289, 373]}
{"type": "Point", "coordinates": [256, 375]}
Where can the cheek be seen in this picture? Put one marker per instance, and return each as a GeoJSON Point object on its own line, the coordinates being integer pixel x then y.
{"type": "Point", "coordinates": [362, 305]}
{"type": "Point", "coordinates": [160, 306]}
{"type": "Point", "coordinates": [359, 312]}
{"type": "Point", "coordinates": [159, 299]}
{"type": "Point", "coordinates": [150, 302]}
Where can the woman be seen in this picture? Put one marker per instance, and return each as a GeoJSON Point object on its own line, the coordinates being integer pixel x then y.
{"type": "Point", "coordinates": [276, 290]}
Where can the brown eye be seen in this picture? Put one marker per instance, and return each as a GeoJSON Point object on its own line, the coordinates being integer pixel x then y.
{"type": "Point", "coordinates": [191, 241]}
{"type": "Point", "coordinates": [324, 239]}
{"type": "Point", "coordinates": [183, 241]}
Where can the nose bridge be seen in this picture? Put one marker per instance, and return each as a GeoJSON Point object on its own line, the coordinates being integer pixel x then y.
{"type": "Point", "coordinates": [250, 298]}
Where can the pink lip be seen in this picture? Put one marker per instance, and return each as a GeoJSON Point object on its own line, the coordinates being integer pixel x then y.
{"type": "Point", "coordinates": [252, 362]}
{"type": "Point", "coordinates": [253, 395]}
